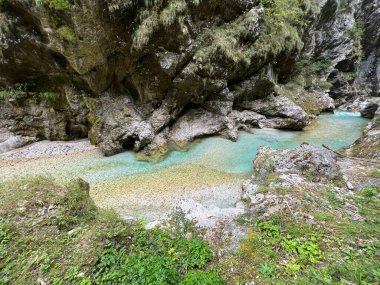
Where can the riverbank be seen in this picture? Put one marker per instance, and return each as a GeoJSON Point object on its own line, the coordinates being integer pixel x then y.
{"type": "Point", "coordinates": [209, 173]}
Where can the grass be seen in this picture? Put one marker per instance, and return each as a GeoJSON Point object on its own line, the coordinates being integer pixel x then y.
{"type": "Point", "coordinates": [320, 245]}
{"type": "Point", "coordinates": [285, 250]}
{"type": "Point", "coordinates": [55, 234]}
{"type": "Point", "coordinates": [159, 15]}
{"type": "Point", "coordinates": [375, 173]}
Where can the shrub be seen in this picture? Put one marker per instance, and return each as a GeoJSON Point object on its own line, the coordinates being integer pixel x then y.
{"type": "Point", "coordinates": [59, 4]}
{"type": "Point", "coordinates": [78, 202]}
{"type": "Point", "coordinates": [192, 253]}
{"type": "Point", "coordinates": [115, 267]}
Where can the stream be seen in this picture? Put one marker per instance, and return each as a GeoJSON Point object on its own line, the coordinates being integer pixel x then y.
{"type": "Point", "coordinates": [210, 173]}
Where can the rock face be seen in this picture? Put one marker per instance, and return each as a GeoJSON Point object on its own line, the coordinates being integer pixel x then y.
{"type": "Point", "coordinates": [144, 75]}
{"type": "Point", "coordinates": [369, 71]}
{"type": "Point", "coordinates": [368, 146]}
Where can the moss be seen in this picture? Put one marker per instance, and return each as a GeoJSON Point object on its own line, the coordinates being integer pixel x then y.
{"type": "Point", "coordinates": [60, 5]}
{"type": "Point", "coordinates": [67, 34]}
{"type": "Point", "coordinates": [162, 13]}
{"type": "Point", "coordinates": [284, 21]}
{"type": "Point", "coordinates": [308, 73]}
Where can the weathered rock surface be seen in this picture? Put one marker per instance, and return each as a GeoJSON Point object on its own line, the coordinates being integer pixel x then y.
{"type": "Point", "coordinates": [368, 146]}
{"type": "Point", "coordinates": [289, 115]}
{"type": "Point", "coordinates": [369, 110]}
{"type": "Point", "coordinates": [286, 180]}
{"type": "Point", "coordinates": [131, 76]}
{"type": "Point", "coordinates": [316, 162]}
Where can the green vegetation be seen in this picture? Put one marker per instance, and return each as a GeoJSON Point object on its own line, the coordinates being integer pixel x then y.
{"type": "Point", "coordinates": [67, 34]}
{"type": "Point", "coordinates": [375, 173]}
{"type": "Point", "coordinates": [22, 91]}
{"type": "Point", "coordinates": [308, 74]}
{"type": "Point", "coordinates": [284, 21]}
{"type": "Point", "coordinates": [56, 235]}
{"type": "Point", "coordinates": [334, 249]}
{"type": "Point", "coordinates": [357, 35]}
{"type": "Point", "coordinates": [58, 5]}
{"type": "Point", "coordinates": [17, 91]}
{"type": "Point", "coordinates": [159, 13]}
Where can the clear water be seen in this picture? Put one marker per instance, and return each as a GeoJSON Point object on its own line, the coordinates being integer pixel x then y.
{"type": "Point", "coordinates": [335, 130]}
{"type": "Point", "coordinates": [209, 173]}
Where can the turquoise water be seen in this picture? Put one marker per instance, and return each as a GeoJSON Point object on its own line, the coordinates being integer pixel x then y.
{"type": "Point", "coordinates": [335, 130]}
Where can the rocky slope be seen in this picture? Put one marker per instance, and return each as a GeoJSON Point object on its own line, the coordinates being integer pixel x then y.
{"type": "Point", "coordinates": [150, 75]}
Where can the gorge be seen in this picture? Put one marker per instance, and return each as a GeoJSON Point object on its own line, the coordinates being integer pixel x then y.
{"type": "Point", "coordinates": [191, 142]}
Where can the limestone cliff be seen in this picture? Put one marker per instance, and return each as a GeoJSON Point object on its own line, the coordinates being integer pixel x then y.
{"type": "Point", "coordinates": [146, 75]}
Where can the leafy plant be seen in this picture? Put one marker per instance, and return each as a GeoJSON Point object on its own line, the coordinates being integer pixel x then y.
{"type": "Point", "coordinates": [266, 270]}
{"type": "Point", "coordinates": [195, 277]}
{"type": "Point", "coordinates": [192, 253]}
{"type": "Point", "coordinates": [116, 267]}
{"type": "Point", "coordinates": [369, 191]}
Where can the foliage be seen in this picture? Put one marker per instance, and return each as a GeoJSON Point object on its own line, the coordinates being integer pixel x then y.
{"type": "Point", "coordinates": [116, 267]}
{"type": "Point", "coordinates": [59, 5]}
{"type": "Point", "coordinates": [357, 33]}
{"type": "Point", "coordinates": [308, 73]}
{"type": "Point", "coordinates": [69, 241]}
{"type": "Point", "coordinates": [156, 14]}
{"type": "Point", "coordinates": [66, 33]}
{"type": "Point", "coordinates": [369, 191]}
{"type": "Point", "coordinates": [17, 91]}
{"type": "Point", "coordinates": [195, 277]}
{"type": "Point", "coordinates": [375, 173]}
{"type": "Point", "coordinates": [284, 21]}
{"type": "Point", "coordinates": [329, 248]}
{"type": "Point", "coordinates": [28, 90]}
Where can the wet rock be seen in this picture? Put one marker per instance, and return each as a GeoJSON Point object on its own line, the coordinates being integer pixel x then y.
{"type": "Point", "coordinates": [28, 119]}
{"type": "Point", "coordinates": [340, 87]}
{"type": "Point", "coordinates": [157, 149]}
{"type": "Point", "coordinates": [118, 126]}
{"type": "Point", "coordinates": [254, 88]}
{"type": "Point", "coordinates": [140, 89]}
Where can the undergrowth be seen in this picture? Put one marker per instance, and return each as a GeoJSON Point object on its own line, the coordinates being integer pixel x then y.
{"type": "Point", "coordinates": [55, 235]}
{"type": "Point", "coordinates": [334, 249]}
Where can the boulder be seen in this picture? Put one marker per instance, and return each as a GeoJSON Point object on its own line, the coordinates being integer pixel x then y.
{"type": "Point", "coordinates": [369, 110]}
{"type": "Point", "coordinates": [316, 163]}
{"type": "Point", "coordinates": [195, 124]}
{"type": "Point", "coordinates": [288, 115]}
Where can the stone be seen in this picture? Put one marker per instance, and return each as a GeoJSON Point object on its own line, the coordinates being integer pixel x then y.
{"type": "Point", "coordinates": [315, 163]}
{"type": "Point", "coordinates": [369, 110]}
{"type": "Point", "coordinates": [195, 124]}
{"type": "Point", "coordinates": [282, 112]}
